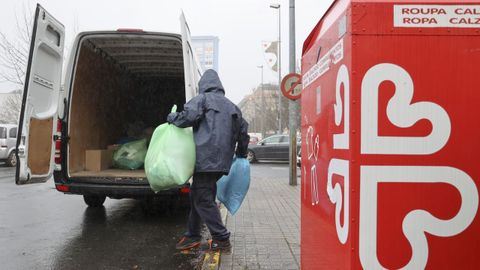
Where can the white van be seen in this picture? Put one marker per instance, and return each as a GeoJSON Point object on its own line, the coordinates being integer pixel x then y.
{"type": "Point", "coordinates": [113, 78]}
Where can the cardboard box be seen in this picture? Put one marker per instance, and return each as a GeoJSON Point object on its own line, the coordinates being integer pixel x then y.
{"type": "Point", "coordinates": [98, 160]}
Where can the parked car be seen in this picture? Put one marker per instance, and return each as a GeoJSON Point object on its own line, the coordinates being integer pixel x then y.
{"type": "Point", "coordinates": [275, 147]}
{"type": "Point", "coordinates": [112, 78]}
{"type": "Point", "coordinates": [253, 140]}
{"type": "Point", "coordinates": [8, 142]}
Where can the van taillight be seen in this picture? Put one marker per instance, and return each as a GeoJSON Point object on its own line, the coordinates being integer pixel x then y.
{"type": "Point", "coordinates": [62, 188]}
{"type": "Point", "coordinates": [185, 190]}
{"type": "Point", "coordinates": [58, 143]}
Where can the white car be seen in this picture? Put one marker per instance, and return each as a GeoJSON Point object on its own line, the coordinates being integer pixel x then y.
{"type": "Point", "coordinates": [8, 142]}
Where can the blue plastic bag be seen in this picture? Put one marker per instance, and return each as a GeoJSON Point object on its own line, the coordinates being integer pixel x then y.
{"type": "Point", "coordinates": [232, 188]}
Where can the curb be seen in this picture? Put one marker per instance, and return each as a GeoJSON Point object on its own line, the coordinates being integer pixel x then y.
{"type": "Point", "coordinates": [211, 260]}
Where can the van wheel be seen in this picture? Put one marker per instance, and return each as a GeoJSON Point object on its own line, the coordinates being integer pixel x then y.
{"type": "Point", "coordinates": [94, 201]}
{"type": "Point", "coordinates": [251, 156]}
{"type": "Point", "coordinates": [12, 160]}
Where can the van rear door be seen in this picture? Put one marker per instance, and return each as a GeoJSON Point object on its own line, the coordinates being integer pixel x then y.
{"type": "Point", "coordinates": [40, 100]}
{"type": "Point", "coordinates": [192, 69]}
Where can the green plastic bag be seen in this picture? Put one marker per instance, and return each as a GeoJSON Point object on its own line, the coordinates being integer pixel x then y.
{"type": "Point", "coordinates": [170, 158]}
{"type": "Point", "coordinates": [130, 156]}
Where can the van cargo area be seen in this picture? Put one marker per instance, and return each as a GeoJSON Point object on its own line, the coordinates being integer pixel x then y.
{"type": "Point", "coordinates": [123, 84]}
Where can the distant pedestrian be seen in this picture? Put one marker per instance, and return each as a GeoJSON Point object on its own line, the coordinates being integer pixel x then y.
{"type": "Point", "coordinates": [218, 127]}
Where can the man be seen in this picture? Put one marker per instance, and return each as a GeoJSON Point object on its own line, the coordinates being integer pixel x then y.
{"type": "Point", "coordinates": [218, 127]}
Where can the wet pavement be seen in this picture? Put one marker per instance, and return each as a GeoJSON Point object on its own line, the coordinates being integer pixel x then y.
{"type": "Point", "coordinates": [41, 228]}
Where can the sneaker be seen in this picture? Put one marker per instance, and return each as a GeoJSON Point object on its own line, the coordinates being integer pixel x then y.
{"type": "Point", "coordinates": [187, 243]}
{"type": "Point", "coordinates": [214, 245]}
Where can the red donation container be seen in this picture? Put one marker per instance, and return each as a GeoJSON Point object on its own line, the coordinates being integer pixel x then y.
{"type": "Point", "coordinates": [391, 136]}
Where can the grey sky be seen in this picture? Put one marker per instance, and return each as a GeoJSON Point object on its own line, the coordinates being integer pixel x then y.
{"type": "Point", "coordinates": [240, 25]}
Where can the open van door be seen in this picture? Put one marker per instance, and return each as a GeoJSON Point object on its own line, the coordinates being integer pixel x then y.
{"type": "Point", "coordinates": [192, 69]}
{"type": "Point", "coordinates": [40, 100]}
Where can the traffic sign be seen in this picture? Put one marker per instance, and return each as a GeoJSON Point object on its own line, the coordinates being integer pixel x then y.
{"type": "Point", "coordinates": [292, 86]}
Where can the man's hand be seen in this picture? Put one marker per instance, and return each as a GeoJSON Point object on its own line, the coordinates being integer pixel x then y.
{"type": "Point", "coordinates": [243, 139]}
{"type": "Point", "coordinates": [171, 117]}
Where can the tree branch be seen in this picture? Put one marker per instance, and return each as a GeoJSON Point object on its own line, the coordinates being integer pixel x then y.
{"type": "Point", "coordinates": [14, 51]}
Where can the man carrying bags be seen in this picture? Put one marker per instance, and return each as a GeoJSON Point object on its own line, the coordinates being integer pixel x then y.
{"type": "Point", "coordinates": [218, 127]}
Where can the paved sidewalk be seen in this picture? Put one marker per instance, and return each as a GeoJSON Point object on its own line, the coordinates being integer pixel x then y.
{"type": "Point", "coordinates": [266, 229]}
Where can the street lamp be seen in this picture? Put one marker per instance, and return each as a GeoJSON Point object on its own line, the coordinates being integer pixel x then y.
{"type": "Point", "coordinates": [279, 57]}
{"type": "Point", "coordinates": [262, 119]}
{"type": "Point", "coordinates": [292, 105]}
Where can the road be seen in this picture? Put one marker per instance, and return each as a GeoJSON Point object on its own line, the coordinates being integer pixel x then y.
{"type": "Point", "coordinates": [6, 172]}
{"type": "Point", "coordinates": [42, 228]}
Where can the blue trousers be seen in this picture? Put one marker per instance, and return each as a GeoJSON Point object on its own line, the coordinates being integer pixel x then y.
{"type": "Point", "coordinates": [203, 207]}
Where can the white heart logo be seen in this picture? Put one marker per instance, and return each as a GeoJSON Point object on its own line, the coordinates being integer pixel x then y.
{"type": "Point", "coordinates": [417, 222]}
{"type": "Point", "coordinates": [401, 113]}
{"type": "Point", "coordinates": [339, 198]}
{"type": "Point", "coordinates": [342, 141]}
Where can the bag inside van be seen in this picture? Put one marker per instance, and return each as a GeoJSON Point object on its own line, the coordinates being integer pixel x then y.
{"type": "Point", "coordinates": [121, 80]}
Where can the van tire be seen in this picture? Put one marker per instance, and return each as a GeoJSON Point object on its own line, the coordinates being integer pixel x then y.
{"type": "Point", "coordinates": [12, 159]}
{"type": "Point", "coordinates": [94, 201]}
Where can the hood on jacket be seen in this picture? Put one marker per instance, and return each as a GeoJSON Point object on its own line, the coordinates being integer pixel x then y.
{"type": "Point", "coordinates": [210, 82]}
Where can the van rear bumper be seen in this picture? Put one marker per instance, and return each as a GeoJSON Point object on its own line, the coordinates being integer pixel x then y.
{"type": "Point", "coordinates": [117, 192]}
{"type": "Point", "coordinates": [114, 190]}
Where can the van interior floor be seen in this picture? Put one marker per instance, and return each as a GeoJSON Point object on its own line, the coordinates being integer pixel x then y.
{"type": "Point", "coordinates": [111, 173]}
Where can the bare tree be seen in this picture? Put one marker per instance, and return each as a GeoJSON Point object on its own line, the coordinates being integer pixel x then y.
{"type": "Point", "coordinates": [10, 108]}
{"type": "Point", "coordinates": [13, 64]}
{"type": "Point", "coordinates": [254, 112]}
{"type": "Point", "coordinates": [14, 51]}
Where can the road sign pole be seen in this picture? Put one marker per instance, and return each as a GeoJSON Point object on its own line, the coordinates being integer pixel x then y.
{"type": "Point", "coordinates": [292, 105]}
{"type": "Point", "coordinates": [279, 71]}
{"type": "Point", "coordinates": [291, 87]}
